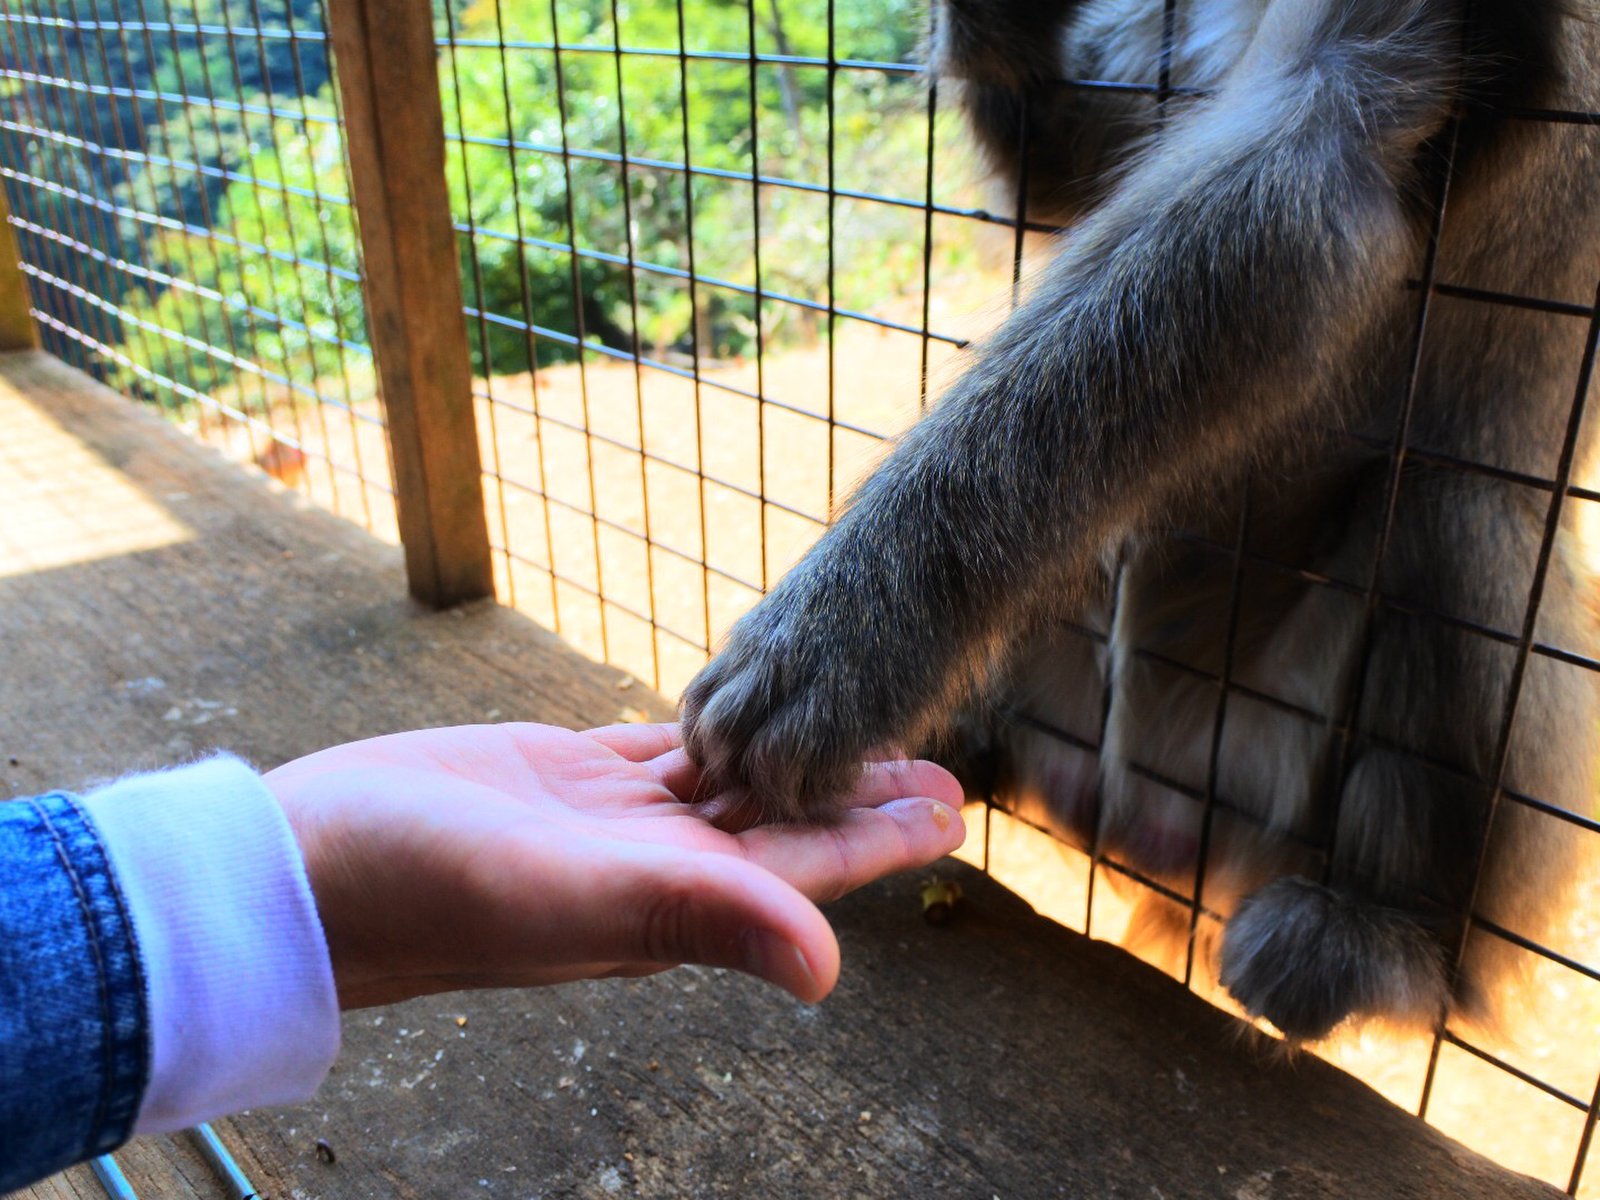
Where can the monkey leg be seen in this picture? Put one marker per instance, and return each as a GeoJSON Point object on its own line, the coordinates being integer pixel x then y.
{"type": "Point", "coordinates": [1015, 44]}
{"type": "Point", "coordinates": [1370, 929]}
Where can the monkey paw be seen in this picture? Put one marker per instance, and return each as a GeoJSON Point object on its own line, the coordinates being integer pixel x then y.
{"type": "Point", "coordinates": [783, 716]}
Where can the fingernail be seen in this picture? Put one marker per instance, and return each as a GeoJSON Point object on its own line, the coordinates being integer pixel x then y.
{"type": "Point", "coordinates": [779, 961]}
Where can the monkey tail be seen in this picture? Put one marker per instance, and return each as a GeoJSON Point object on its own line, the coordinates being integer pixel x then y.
{"type": "Point", "coordinates": [1308, 958]}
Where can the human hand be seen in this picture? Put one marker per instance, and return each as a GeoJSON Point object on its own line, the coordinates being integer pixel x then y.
{"type": "Point", "coordinates": [517, 855]}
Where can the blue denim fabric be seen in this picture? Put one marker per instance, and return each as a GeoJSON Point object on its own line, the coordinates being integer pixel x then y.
{"type": "Point", "coordinates": [74, 1033]}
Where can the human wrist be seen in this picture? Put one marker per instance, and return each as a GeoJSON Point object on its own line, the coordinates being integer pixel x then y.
{"type": "Point", "coordinates": [229, 932]}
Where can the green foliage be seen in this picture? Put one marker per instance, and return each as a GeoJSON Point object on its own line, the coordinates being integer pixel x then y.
{"type": "Point", "coordinates": [271, 279]}
{"type": "Point", "coordinates": [165, 51]}
{"type": "Point", "coordinates": [252, 209]}
{"type": "Point", "coordinates": [510, 179]}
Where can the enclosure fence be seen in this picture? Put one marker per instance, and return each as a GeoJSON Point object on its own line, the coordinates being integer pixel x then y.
{"type": "Point", "coordinates": [642, 290]}
{"type": "Point", "coordinates": [181, 210]}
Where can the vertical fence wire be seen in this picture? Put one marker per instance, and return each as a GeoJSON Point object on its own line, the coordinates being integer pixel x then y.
{"type": "Point", "coordinates": [706, 628]}
{"type": "Point", "coordinates": [594, 595]}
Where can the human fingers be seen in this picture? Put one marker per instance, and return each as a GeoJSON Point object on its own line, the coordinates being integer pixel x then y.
{"type": "Point", "coordinates": [678, 773]}
{"type": "Point", "coordinates": [737, 810]}
{"type": "Point", "coordinates": [881, 782]}
{"type": "Point", "coordinates": [637, 742]}
{"type": "Point", "coordinates": [824, 862]}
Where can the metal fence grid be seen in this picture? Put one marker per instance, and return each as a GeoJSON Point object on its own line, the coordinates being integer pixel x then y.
{"type": "Point", "coordinates": [616, 578]}
{"type": "Point", "coordinates": [663, 479]}
{"type": "Point", "coordinates": [176, 181]}
{"type": "Point", "coordinates": [679, 367]}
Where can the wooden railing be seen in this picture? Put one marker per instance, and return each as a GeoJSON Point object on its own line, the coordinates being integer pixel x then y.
{"type": "Point", "coordinates": [17, 330]}
{"type": "Point", "coordinates": [389, 78]}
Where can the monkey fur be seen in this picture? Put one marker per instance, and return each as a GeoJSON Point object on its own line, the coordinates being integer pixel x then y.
{"type": "Point", "coordinates": [1223, 346]}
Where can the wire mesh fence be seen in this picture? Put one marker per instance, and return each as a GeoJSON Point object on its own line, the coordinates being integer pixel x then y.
{"type": "Point", "coordinates": [712, 257]}
{"type": "Point", "coordinates": [668, 254]}
{"type": "Point", "coordinates": [176, 182]}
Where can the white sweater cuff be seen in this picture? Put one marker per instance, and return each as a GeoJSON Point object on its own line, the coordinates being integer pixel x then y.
{"type": "Point", "coordinates": [243, 1011]}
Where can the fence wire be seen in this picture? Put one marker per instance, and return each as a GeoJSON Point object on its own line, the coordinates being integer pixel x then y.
{"type": "Point", "coordinates": [660, 240]}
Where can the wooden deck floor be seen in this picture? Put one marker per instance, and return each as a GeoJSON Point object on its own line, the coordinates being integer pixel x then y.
{"type": "Point", "coordinates": [155, 602]}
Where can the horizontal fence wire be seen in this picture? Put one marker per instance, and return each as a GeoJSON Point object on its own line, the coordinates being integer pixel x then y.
{"type": "Point", "coordinates": [176, 179]}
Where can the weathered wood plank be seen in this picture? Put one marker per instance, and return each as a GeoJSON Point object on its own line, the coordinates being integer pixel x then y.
{"type": "Point", "coordinates": [17, 329]}
{"type": "Point", "coordinates": [388, 77]}
{"type": "Point", "coordinates": [998, 1056]}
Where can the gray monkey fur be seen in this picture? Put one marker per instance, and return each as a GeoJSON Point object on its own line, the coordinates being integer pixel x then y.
{"type": "Point", "coordinates": [1228, 306]}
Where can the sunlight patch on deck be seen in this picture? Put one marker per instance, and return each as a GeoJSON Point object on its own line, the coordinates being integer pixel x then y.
{"type": "Point", "coordinates": [61, 503]}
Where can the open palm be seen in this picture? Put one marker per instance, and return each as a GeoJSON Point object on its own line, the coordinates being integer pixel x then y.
{"type": "Point", "coordinates": [516, 855]}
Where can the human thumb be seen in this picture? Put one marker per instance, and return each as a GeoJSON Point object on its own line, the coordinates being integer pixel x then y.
{"type": "Point", "coordinates": [721, 911]}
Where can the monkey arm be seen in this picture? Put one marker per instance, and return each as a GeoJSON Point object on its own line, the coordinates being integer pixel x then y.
{"type": "Point", "coordinates": [1195, 319]}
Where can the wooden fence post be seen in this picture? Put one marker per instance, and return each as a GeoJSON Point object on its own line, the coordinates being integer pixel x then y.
{"type": "Point", "coordinates": [17, 330]}
{"type": "Point", "coordinates": [389, 78]}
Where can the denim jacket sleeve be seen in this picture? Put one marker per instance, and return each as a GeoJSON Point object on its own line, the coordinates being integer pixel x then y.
{"type": "Point", "coordinates": [161, 963]}
{"type": "Point", "coordinates": [74, 1044]}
